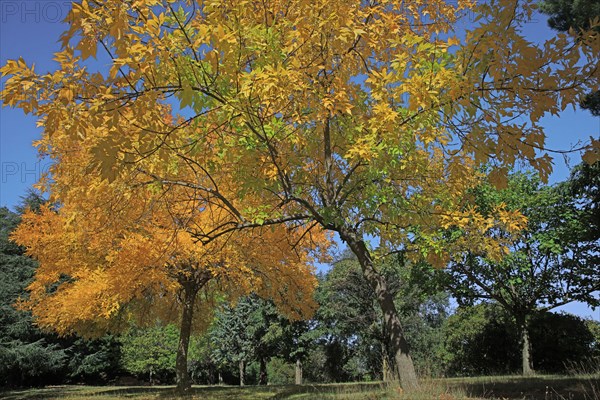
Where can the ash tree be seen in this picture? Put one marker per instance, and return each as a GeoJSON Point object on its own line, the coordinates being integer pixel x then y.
{"type": "Point", "coordinates": [361, 118]}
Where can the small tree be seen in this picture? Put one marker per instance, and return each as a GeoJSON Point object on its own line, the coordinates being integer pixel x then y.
{"type": "Point", "coordinates": [251, 330]}
{"type": "Point", "coordinates": [151, 353]}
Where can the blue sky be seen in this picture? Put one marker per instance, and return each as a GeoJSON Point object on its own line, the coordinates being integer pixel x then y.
{"type": "Point", "coordinates": [30, 29]}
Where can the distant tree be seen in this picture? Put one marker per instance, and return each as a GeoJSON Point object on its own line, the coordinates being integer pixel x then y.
{"type": "Point", "coordinates": [26, 355]}
{"type": "Point", "coordinates": [296, 342]}
{"type": "Point", "coordinates": [350, 322]}
{"type": "Point", "coordinates": [561, 342]}
{"type": "Point", "coordinates": [281, 372]}
{"type": "Point", "coordinates": [93, 361]}
{"type": "Point", "coordinates": [584, 186]}
{"type": "Point", "coordinates": [202, 363]}
{"type": "Point", "coordinates": [266, 328]}
{"type": "Point", "coordinates": [550, 263]}
{"type": "Point", "coordinates": [150, 353]}
{"type": "Point", "coordinates": [594, 327]}
{"type": "Point", "coordinates": [251, 330]}
{"type": "Point", "coordinates": [478, 340]}
{"type": "Point", "coordinates": [578, 15]}
{"type": "Point", "coordinates": [484, 340]}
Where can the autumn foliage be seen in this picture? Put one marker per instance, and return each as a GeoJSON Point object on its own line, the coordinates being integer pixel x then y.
{"type": "Point", "coordinates": [101, 269]}
{"type": "Point", "coordinates": [359, 117]}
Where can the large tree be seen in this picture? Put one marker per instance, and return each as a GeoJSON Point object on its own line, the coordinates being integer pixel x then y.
{"type": "Point", "coordinates": [135, 261]}
{"type": "Point", "coordinates": [550, 263]}
{"type": "Point", "coordinates": [365, 118]}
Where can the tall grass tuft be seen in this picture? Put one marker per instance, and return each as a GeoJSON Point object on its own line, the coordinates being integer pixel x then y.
{"type": "Point", "coordinates": [589, 370]}
{"type": "Point", "coordinates": [429, 389]}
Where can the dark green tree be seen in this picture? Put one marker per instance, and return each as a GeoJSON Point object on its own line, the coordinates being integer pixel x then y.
{"type": "Point", "coordinates": [551, 263]}
{"type": "Point", "coordinates": [483, 340]}
{"type": "Point", "coordinates": [93, 361]}
{"type": "Point", "coordinates": [350, 322]}
{"type": "Point", "coordinates": [579, 14]}
{"type": "Point", "coordinates": [252, 330]}
{"type": "Point", "coordinates": [480, 340]}
{"type": "Point", "coordinates": [29, 356]}
{"type": "Point", "coordinates": [26, 355]}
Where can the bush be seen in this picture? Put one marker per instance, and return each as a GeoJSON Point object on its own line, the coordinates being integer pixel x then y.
{"type": "Point", "coordinates": [280, 372]}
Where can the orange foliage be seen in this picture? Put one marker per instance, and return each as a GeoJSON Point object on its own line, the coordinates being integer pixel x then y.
{"type": "Point", "coordinates": [120, 254]}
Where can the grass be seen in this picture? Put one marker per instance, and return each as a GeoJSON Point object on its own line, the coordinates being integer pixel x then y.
{"type": "Point", "coordinates": [545, 387]}
{"type": "Point", "coordinates": [581, 387]}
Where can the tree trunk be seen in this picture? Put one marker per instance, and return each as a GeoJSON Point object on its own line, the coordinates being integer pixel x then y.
{"type": "Point", "coordinates": [220, 378]}
{"type": "Point", "coordinates": [262, 375]}
{"type": "Point", "coordinates": [525, 347]}
{"type": "Point", "coordinates": [181, 370]}
{"type": "Point", "coordinates": [386, 371]}
{"type": "Point", "coordinates": [242, 372]}
{"type": "Point", "coordinates": [404, 367]}
{"type": "Point", "coordinates": [298, 380]}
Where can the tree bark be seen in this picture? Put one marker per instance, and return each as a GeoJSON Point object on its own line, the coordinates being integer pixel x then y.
{"type": "Point", "coordinates": [184, 382]}
{"type": "Point", "coordinates": [404, 367]}
{"type": "Point", "coordinates": [242, 366]}
{"type": "Point", "coordinates": [262, 375]}
{"type": "Point", "coordinates": [525, 347]}
{"type": "Point", "coordinates": [298, 380]}
{"type": "Point", "coordinates": [386, 372]}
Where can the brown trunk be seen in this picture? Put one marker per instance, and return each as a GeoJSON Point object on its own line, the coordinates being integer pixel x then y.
{"type": "Point", "coordinates": [386, 371]}
{"type": "Point", "coordinates": [242, 371]}
{"type": "Point", "coordinates": [404, 367]}
{"type": "Point", "coordinates": [525, 347]}
{"type": "Point", "coordinates": [181, 371]}
{"type": "Point", "coordinates": [262, 375]}
{"type": "Point", "coordinates": [298, 380]}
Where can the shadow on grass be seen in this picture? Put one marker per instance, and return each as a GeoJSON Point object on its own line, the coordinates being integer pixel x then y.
{"type": "Point", "coordinates": [197, 392]}
{"type": "Point", "coordinates": [139, 392]}
{"type": "Point", "coordinates": [506, 388]}
{"type": "Point", "coordinates": [530, 388]}
{"type": "Point", "coordinates": [329, 389]}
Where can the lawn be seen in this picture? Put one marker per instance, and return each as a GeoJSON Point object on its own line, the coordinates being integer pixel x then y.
{"type": "Point", "coordinates": [585, 387]}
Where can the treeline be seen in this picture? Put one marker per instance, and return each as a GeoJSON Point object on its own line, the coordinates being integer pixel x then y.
{"type": "Point", "coordinates": [499, 321]}
{"type": "Point", "coordinates": [251, 342]}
